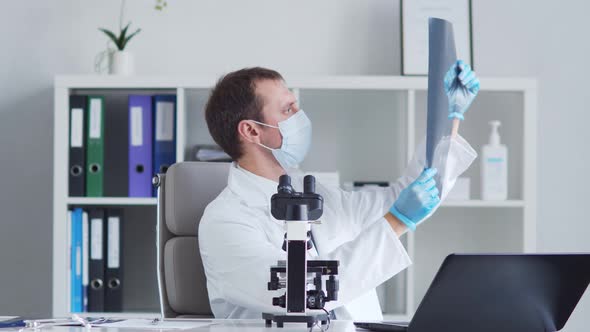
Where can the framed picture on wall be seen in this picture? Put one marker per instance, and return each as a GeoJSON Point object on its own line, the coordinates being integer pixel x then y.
{"type": "Point", "coordinates": [414, 28]}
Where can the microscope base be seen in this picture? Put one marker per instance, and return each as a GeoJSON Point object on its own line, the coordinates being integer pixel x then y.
{"type": "Point", "coordinates": [310, 319]}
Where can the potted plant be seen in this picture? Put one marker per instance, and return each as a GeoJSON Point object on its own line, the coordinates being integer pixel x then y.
{"type": "Point", "coordinates": [121, 61]}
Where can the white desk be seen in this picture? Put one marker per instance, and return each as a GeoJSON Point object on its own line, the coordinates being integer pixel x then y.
{"type": "Point", "coordinates": [218, 325]}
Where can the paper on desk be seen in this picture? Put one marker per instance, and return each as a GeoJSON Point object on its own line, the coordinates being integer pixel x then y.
{"type": "Point", "coordinates": [161, 325]}
{"type": "Point", "coordinates": [2, 318]}
{"type": "Point", "coordinates": [441, 55]}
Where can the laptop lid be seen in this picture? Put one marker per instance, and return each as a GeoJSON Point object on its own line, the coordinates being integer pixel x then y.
{"type": "Point", "coordinates": [509, 293]}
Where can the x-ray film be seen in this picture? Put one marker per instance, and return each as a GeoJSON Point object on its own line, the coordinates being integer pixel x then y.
{"type": "Point", "coordinates": [441, 55]}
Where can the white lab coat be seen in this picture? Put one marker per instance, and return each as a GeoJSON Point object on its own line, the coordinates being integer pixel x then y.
{"type": "Point", "coordinates": [239, 240]}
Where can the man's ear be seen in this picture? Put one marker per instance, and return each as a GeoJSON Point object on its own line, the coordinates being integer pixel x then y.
{"type": "Point", "coordinates": [249, 132]}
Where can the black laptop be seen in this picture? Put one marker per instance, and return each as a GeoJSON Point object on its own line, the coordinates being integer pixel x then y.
{"type": "Point", "coordinates": [508, 293]}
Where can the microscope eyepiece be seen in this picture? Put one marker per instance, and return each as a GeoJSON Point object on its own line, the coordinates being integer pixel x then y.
{"type": "Point", "coordinates": [309, 184]}
{"type": "Point", "coordinates": [285, 185]}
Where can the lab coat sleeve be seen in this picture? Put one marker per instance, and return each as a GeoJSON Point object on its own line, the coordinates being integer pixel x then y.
{"type": "Point", "coordinates": [237, 256]}
{"type": "Point", "coordinates": [367, 261]}
{"type": "Point", "coordinates": [369, 206]}
{"type": "Point", "coordinates": [461, 156]}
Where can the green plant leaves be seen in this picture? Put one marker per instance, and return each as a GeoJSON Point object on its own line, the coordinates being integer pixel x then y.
{"type": "Point", "coordinates": [123, 39]}
{"type": "Point", "coordinates": [130, 36]}
{"type": "Point", "coordinates": [111, 36]}
{"type": "Point", "coordinates": [122, 36]}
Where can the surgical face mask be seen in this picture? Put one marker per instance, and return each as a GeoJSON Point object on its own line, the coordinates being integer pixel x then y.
{"type": "Point", "coordinates": [296, 133]}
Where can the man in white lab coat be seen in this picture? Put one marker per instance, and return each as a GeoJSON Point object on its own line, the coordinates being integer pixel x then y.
{"type": "Point", "coordinates": [254, 117]}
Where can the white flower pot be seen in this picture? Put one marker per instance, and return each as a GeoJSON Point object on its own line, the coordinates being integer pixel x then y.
{"type": "Point", "coordinates": [121, 63]}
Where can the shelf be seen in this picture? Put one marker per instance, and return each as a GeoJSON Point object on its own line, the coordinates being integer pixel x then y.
{"type": "Point", "coordinates": [112, 200]}
{"type": "Point", "coordinates": [480, 203]}
{"type": "Point", "coordinates": [153, 201]}
{"type": "Point", "coordinates": [342, 82]}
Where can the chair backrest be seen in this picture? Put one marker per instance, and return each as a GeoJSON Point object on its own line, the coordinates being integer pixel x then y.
{"type": "Point", "coordinates": [183, 193]}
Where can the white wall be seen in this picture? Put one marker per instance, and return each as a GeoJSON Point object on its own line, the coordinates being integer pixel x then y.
{"type": "Point", "coordinates": [545, 39]}
{"type": "Point", "coordinates": [549, 40]}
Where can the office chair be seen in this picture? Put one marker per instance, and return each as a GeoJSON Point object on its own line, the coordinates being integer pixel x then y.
{"type": "Point", "coordinates": [183, 193]}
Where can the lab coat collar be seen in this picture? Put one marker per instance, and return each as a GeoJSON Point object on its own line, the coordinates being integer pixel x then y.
{"type": "Point", "coordinates": [253, 189]}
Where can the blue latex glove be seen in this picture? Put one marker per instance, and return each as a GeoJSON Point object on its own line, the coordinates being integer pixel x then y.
{"type": "Point", "coordinates": [461, 86]}
{"type": "Point", "coordinates": [417, 200]}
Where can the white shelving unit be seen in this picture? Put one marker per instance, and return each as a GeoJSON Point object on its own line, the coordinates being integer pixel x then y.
{"type": "Point", "coordinates": [400, 97]}
{"type": "Point", "coordinates": [111, 201]}
{"type": "Point", "coordinates": [480, 203]}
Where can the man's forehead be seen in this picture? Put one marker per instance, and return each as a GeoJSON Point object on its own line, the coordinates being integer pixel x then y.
{"type": "Point", "coordinates": [273, 91]}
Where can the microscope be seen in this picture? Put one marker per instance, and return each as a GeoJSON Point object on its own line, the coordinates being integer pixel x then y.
{"type": "Point", "coordinates": [303, 280]}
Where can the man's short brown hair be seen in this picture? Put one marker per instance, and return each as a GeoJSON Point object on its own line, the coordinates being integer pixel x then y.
{"type": "Point", "coordinates": [232, 100]}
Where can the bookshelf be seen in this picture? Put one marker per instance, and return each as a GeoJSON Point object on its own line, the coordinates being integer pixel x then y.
{"type": "Point", "coordinates": [379, 118]}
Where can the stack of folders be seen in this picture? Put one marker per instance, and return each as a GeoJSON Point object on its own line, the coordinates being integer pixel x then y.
{"type": "Point", "coordinates": [115, 152]}
{"type": "Point", "coordinates": [96, 273]}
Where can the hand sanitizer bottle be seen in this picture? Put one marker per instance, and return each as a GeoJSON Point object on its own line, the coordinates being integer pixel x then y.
{"type": "Point", "coordinates": [494, 167]}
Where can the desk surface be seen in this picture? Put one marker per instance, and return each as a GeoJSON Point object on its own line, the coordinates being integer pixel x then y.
{"type": "Point", "coordinates": [216, 325]}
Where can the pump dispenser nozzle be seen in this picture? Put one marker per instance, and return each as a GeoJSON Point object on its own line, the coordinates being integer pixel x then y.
{"type": "Point", "coordinates": [495, 135]}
